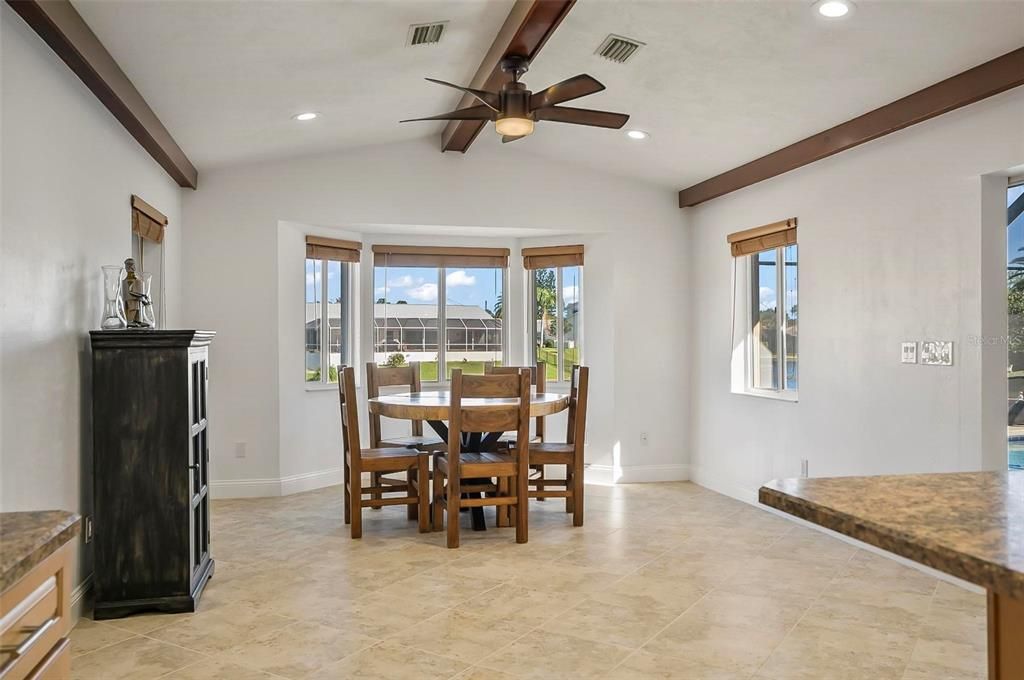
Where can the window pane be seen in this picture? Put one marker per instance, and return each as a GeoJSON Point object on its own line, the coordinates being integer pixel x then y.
{"type": "Point", "coordinates": [790, 254]}
{"type": "Point", "coordinates": [545, 325]}
{"type": "Point", "coordinates": [764, 304]}
{"type": "Point", "coordinates": [570, 319]}
{"type": "Point", "coordinates": [314, 286]}
{"type": "Point", "coordinates": [405, 300]}
{"type": "Point", "coordinates": [474, 299]}
{"type": "Point", "coordinates": [334, 317]}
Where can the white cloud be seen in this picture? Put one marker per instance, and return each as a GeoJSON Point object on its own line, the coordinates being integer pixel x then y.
{"type": "Point", "coordinates": [379, 290]}
{"type": "Point", "coordinates": [405, 281]}
{"type": "Point", "coordinates": [570, 294]}
{"type": "Point", "coordinates": [767, 297]}
{"type": "Point", "coordinates": [426, 292]}
{"type": "Point", "coordinates": [460, 278]}
{"type": "Point", "coordinates": [310, 278]}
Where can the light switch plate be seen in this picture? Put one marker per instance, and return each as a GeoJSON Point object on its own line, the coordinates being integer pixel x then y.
{"type": "Point", "coordinates": [909, 353]}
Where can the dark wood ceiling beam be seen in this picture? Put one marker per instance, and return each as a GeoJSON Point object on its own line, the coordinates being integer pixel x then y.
{"type": "Point", "coordinates": [63, 29]}
{"type": "Point", "coordinates": [988, 79]}
{"type": "Point", "coordinates": [527, 28]}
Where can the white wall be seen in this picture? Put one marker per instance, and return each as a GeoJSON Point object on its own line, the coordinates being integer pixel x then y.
{"type": "Point", "coordinates": [893, 237]}
{"type": "Point", "coordinates": [407, 191]}
{"type": "Point", "coordinates": [68, 172]}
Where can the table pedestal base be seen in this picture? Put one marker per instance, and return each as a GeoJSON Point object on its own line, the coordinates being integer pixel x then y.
{"type": "Point", "coordinates": [1005, 637]}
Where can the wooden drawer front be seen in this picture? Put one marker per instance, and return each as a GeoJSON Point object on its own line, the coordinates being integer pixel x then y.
{"type": "Point", "coordinates": [34, 617]}
{"type": "Point", "coordinates": [56, 666]}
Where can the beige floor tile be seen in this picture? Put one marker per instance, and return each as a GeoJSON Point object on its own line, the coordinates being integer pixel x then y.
{"type": "Point", "coordinates": [923, 670]}
{"type": "Point", "coordinates": [811, 653]}
{"type": "Point", "coordinates": [644, 666]}
{"type": "Point", "coordinates": [136, 658]}
{"type": "Point", "coordinates": [526, 606]}
{"type": "Point", "coordinates": [143, 624]}
{"type": "Point", "coordinates": [216, 669]}
{"type": "Point", "coordinates": [391, 661]}
{"type": "Point", "coordinates": [88, 636]}
{"type": "Point", "coordinates": [220, 629]}
{"type": "Point", "coordinates": [738, 648]}
{"type": "Point", "coordinates": [297, 650]}
{"type": "Point", "coordinates": [627, 626]}
{"type": "Point", "coordinates": [465, 636]}
{"type": "Point", "coordinates": [725, 589]}
{"type": "Point", "coordinates": [542, 654]}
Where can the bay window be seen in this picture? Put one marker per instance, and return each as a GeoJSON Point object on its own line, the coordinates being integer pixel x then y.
{"type": "Point", "coordinates": [441, 307]}
{"type": "Point", "coordinates": [555, 287]}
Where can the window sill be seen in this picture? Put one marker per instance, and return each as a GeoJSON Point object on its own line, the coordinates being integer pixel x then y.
{"type": "Point", "coordinates": [320, 387]}
{"type": "Point", "coordinates": [791, 397]}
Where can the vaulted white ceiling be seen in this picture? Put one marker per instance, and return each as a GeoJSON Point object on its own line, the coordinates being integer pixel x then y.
{"type": "Point", "coordinates": [717, 84]}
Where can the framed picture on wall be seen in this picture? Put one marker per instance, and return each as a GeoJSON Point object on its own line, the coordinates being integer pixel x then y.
{"type": "Point", "coordinates": [937, 352]}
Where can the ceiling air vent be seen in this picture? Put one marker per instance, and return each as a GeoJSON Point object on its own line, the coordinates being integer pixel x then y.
{"type": "Point", "coordinates": [426, 34]}
{"type": "Point", "coordinates": [618, 49]}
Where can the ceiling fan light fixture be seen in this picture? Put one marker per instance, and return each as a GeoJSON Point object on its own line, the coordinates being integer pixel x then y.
{"type": "Point", "coordinates": [513, 127]}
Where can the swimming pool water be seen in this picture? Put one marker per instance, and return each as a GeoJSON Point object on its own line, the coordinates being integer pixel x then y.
{"type": "Point", "coordinates": [1016, 449]}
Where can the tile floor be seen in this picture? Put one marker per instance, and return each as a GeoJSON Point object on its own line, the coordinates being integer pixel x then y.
{"type": "Point", "coordinates": [664, 581]}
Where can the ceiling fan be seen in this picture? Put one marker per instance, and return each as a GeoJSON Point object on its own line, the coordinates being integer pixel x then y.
{"type": "Point", "coordinates": [515, 109]}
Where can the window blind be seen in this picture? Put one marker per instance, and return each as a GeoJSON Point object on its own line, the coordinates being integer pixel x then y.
{"type": "Point", "coordinates": [439, 256]}
{"type": "Point", "coordinates": [763, 238]}
{"type": "Point", "coordinates": [148, 222]}
{"type": "Point", "coordinates": [322, 248]}
{"type": "Point", "coordinates": [552, 256]}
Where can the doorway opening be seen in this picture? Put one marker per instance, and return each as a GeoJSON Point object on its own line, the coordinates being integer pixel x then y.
{"type": "Point", "coordinates": [1015, 324]}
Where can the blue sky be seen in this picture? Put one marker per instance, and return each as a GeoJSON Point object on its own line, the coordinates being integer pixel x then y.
{"type": "Point", "coordinates": [419, 285]}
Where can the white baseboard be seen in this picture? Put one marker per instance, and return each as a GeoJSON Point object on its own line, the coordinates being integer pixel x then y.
{"type": "Point", "coordinates": [634, 474]}
{"type": "Point", "coordinates": [78, 598]}
{"type": "Point", "coordinates": [308, 481]}
{"type": "Point", "coordinates": [282, 486]}
{"type": "Point", "coordinates": [710, 481]}
{"type": "Point", "coordinates": [245, 488]}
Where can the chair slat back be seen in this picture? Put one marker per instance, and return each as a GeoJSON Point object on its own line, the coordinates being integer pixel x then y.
{"type": "Point", "coordinates": [511, 414]}
{"type": "Point", "coordinates": [577, 420]}
{"type": "Point", "coordinates": [349, 413]}
{"type": "Point", "coordinates": [538, 378]}
{"type": "Point", "coordinates": [391, 376]}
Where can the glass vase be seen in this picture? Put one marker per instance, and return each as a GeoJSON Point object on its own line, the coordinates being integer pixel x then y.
{"type": "Point", "coordinates": [147, 315]}
{"type": "Point", "coordinates": [113, 303]}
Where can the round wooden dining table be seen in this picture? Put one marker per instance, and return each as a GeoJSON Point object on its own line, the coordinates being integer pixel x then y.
{"type": "Point", "coordinates": [434, 407]}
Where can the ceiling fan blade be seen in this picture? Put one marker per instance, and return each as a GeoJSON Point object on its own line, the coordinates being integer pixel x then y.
{"type": "Point", "coordinates": [567, 114]}
{"type": "Point", "coordinates": [505, 139]}
{"type": "Point", "coordinates": [489, 99]}
{"type": "Point", "coordinates": [479, 112]}
{"type": "Point", "coordinates": [573, 88]}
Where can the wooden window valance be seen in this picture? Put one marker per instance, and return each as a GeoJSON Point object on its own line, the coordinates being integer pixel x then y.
{"type": "Point", "coordinates": [552, 256]}
{"type": "Point", "coordinates": [148, 222]}
{"type": "Point", "coordinates": [439, 256]}
{"type": "Point", "coordinates": [763, 238]}
{"type": "Point", "coordinates": [322, 248]}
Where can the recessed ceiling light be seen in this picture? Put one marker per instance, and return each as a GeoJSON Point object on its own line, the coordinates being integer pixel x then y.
{"type": "Point", "coordinates": [637, 134]}
{"type": "Point", "coordinates": [833, 9]}
{"type": "Point", "coordinates": [309, 115]}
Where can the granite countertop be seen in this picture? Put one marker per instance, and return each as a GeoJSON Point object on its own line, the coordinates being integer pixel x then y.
{"type": "Point", "coordinates": [28, 538]}
{"type": "Point", "coordinates": [969, 525]}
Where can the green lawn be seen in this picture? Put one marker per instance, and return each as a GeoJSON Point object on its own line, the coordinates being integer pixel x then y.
{"type": "Point", "coordinates": [428, 369]}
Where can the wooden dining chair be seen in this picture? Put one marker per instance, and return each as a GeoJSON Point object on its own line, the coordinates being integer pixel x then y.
{"type": "Point", "coordinates": [357, 460]}
{"type": "Point", "coordinates": [569, 454]}
{"type": "Point", "coordinates": [538, 379]}
{"type": "Point", "coordinates": [509, 466]}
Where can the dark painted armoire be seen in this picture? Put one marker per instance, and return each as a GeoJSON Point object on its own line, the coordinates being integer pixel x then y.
{"type": "Point", "coordinates": [151, 517]}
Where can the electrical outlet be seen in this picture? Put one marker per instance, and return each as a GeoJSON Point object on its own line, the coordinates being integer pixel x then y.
{"type": "Point", "coordinates": [643, 438]}
{"type": "Point", "coordinates": [87, 523]}
{"type": "Point", "coordinates": [240, 449]}
{"type": "Point", "coordinates": [803, 467]}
